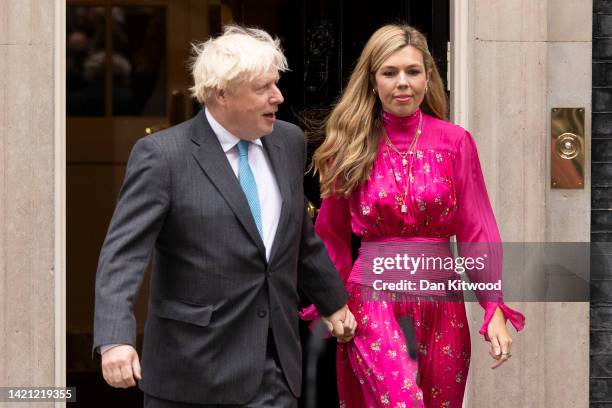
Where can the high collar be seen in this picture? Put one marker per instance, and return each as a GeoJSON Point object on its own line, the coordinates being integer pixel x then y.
{"type": "Point", "coordinates": [401, 129]}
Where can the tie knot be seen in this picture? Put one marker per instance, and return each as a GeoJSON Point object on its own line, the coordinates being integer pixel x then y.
{"type": "Point", "coordinates": [243, 148]}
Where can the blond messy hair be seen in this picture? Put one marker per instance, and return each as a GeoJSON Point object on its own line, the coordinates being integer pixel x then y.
{"type": "Point", "coordinates": [344, 160]}
{"type": "Point", "coordinates": [239, 54]}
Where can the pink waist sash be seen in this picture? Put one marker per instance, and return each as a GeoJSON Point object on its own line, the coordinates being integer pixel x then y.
{"type": "Point", "coordinates": [413, 266]}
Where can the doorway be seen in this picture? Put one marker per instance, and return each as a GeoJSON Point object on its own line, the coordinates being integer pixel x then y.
{"type": "Point", "coordinates": [127, 76]}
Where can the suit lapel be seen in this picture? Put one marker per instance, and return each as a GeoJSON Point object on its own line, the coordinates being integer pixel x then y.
{"type": "Point", "coordinates": [213, 161]}
{"type": "Point", "coordinates": [276, 152]}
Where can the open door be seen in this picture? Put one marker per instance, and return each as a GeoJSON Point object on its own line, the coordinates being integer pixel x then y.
{"type": "Point", "coordinates": [126, 76]}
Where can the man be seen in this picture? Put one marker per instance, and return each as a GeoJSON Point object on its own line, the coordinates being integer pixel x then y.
{"type": "Point", "coordinates": [222, 209]}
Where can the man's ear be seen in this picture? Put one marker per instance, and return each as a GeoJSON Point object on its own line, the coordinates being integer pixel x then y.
{"type": "Point", "coordinates": [220, 97]}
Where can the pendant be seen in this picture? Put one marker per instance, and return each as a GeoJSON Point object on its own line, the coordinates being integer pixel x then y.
{"type": "Point", "coordinates": [404, 209]}
{"type": "Point", "coordinates": [404, 161]}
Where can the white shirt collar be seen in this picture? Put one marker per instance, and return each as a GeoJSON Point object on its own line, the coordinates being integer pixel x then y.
{"type": "Point", "coordinates": [227, 140]}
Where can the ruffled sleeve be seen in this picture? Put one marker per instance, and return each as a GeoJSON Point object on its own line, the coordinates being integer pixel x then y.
{"type": "Point", "coordinates": [333, 226]}
{"type": "Point", "coordinates": [477, 234]}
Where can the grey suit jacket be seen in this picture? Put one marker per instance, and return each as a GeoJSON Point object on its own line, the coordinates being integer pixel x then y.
{"type": "Point", "coordinates": [213, 294]}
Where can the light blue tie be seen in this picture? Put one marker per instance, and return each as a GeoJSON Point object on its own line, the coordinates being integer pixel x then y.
{"type": "Point", "coordinates": [247, 182]}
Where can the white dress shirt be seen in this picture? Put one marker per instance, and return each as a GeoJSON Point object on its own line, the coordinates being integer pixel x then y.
{"type": "Point", "coordinates": [270, 200]}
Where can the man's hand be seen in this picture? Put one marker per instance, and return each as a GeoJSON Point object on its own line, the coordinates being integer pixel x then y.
{"type": "Point", "coordinates": [341, 324]}
{"type": "Point", "coordinates": [120, 366]}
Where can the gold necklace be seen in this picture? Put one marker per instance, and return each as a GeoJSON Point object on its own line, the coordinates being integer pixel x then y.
{"type": "Point", "coordinates": [405, 162]}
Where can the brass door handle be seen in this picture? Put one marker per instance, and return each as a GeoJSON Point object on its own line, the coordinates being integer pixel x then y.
{"type": "Point", "coordinates": [312, 210]}
{"type": "Point", "coordinates": [156, 128]}
{"type": "Point", "coordinates": [176, 113]}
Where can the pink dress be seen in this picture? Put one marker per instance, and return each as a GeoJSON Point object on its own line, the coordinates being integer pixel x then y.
{"type": "Point", "coordinates": [446, 197]}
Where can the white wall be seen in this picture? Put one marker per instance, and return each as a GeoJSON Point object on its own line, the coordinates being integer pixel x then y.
{"type": "Point", "coordinates": [27, 188]}
{"type": "Point", "coordinates": [525, 57]}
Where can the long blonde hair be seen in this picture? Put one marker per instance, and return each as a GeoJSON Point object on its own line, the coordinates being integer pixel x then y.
{"type": "Point", "coordinates": [344, 160]}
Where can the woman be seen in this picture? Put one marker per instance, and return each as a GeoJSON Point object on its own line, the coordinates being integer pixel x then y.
{"type": "Point", "coordinates": [394, 171]}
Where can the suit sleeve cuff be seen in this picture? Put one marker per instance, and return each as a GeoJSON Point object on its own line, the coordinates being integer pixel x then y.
{"type": "Point", "coordinates": [104, 348]}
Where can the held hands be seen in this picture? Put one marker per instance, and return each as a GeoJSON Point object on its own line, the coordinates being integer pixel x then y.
{"type": "Point", "coordinates": [120, 366]}
{"type": "Point", "coordinates": [501, 341]}
{"type": "Point", "coordinates": [341, 324]}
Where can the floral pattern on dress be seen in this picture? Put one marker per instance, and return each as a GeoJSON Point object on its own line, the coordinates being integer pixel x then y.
{"type": "Point", "coordinates": [437, 193]}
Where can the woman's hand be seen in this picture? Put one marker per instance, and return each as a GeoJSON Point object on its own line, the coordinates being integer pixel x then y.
{"type": "Point", "coordinates": [501, 341]}
{"type": "Point", "coordinates": [341, 324]}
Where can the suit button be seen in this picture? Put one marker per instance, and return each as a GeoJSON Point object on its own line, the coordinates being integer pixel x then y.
{"type": "Point", "coordinates": [261, 313]}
